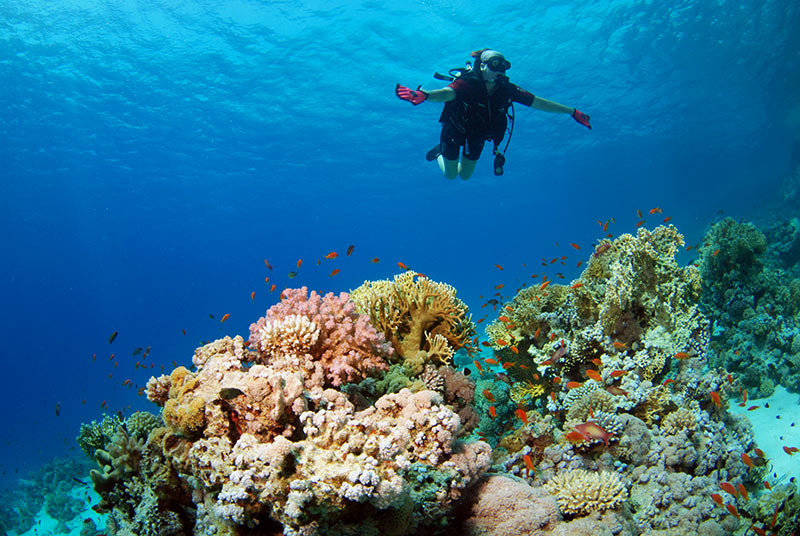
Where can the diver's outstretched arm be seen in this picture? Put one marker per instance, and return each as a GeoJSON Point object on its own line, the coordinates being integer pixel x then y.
{"type": "Point", "coordinates": [446, 94]}
{"type": "Point", "coordinates": [554, 107]}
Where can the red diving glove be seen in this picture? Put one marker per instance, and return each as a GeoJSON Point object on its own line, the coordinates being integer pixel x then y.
{"type": "Point", "coordinates": [581, 118]}
{"type": "Point", "coordinates": [413, 96]}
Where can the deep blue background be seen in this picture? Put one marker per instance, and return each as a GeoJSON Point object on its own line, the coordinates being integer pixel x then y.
{"type": "Point", "coordinates": [153, 156]}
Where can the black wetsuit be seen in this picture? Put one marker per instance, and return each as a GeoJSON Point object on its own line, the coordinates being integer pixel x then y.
{"type": "Point", "coordinates": [474, 116]}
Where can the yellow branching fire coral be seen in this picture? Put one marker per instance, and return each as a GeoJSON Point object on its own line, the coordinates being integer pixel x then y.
{"type": "Point", "coordinates": [416, 314]}
{"type": "Point", "coordinates": [581, 492]}
{"type": "Point", "coordinates": [520, 391]}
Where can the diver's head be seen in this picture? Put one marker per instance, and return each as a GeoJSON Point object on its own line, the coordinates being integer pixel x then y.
{"type": "Point", "coordinates": [493, 65]}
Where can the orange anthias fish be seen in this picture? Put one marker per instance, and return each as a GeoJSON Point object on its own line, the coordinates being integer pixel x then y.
{"type": "Point", "coordinates": [528, 463]}
{"type": "Point", "coordinates": [716, 252]}
{"type": "Point", "coordinates": [576, 285]}
{"type": "Point", "coordinates": [616, 391]}
{"type": "Point", "coordinates": [522, 415]}
{"type": "Point", "coordinates": [575, 437]}
{"type": "Point", "coordinates": [617, 373]}
{"type": "Point", "coordinates": [488, 395]}
{"type": "Point", "coordinates": [490, 361]}
{"type": "Point", "coordinates": [640, 223]}
{"type": "Point", "coordinates": [667, 219]}
{"type": "Point", "coordinates": [501, 342]}
{"type": "Point", "coordinates": [513, 349]}
{"type": "Point", "coordinates": [331, 255]}
{"type": "Point", "coordinates": [619, 345]}
{"type": "Point", "coordinates": [728, 487]}
{"type": "Point", "coordinates": [592, 430]}
{"type": "Point", "coordinates": [747, 461]}
{"type": "Point", "coordinates": [225, 317]}
{"type": "Point", "coordinates": [334, 272]}
{"type": "Point", "coordinates": [789, 450]}
{"type": "Point", "coordinates": [536, 333]}
{"type": "Point", "coordinates": [732, 509]}
{"type": "Point", "coordinates": [267, 264]}
{"type": "Point", "coordinates": [498, 287]}
{"type": "Point", "coordinates": [273, 287]}
{"type": "Point", "coordinates": [681, 355]}
{"type": "Point", "coordinates": [717, 498]}
{"type": "Point", "coordinates": [253, 295]}
{"type": "Point", "coordinates": [544, 285]}
{"type": "Point", "coordinates": [639, 213]}
{"type": "Point", "coordinates": [656, 210]}
{"type": "Point", "coordinates": [492, 412]}
{"type": "Point", "coordinates": [743, 491]}
{"type": "Point", "coordinates": [402, 265]}
{"type": "Point", "coordinates": [716, 399]}
{"type": "Point", "coordinates": [375, 260]}
{"type": "Point", "coordinates": [573, 385]}
{"type": "Point", "coordinates": [299, 262]}
{"type": "Point", "coordinates": [593, 374]}
{"type": "Point", "coordinates": [498, 267]}
{"type": "Point", "coordinates": [573, 244]}
{"type": "Point", "coordinates": [503, 318]}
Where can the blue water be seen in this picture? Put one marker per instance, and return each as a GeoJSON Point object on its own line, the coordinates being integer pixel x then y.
{"type": "Point", "coordinates": [152, 156]}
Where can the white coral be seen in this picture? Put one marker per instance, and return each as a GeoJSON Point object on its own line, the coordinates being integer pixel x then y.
{"type": "Point", "coordinates": [581, 492]}
{"type": "Point", "coordinates": [292, 335]}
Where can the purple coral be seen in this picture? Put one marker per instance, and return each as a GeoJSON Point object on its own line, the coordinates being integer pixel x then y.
{"type": "Point", "coordinates": [348, 347]}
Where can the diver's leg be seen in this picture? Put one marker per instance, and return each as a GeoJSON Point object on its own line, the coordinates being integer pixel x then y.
{"type": "Point", "coordinates": [450, 142]}
{"type": "Point", "coordinates": [466, 167]}
{"type": "Point", "coordinates": [473, 146]}
{"type": "Point", "coordinates": [448, 167]}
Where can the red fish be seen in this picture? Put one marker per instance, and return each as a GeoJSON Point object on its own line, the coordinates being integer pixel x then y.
{"type": "Point", "coordinates": [579, 264]}
{"type": "Point", "coordinates": [767, 485]}
{"type": "Point", "coordinates": [716, 252]}
{"type": "Point", "coordinates": [574, 385]}
{"type": "Point", "coordinates": [573, 244]}
{"type": "Point", "coordinates": [490, 361]}
{"type": "Point", "coordinates": [334, 272]}
{"type": "Point", "coordinates": [498, 267]}
{"type": "Point", "coordinates": [375, 260]}
{"type": "Point", "coordinates": [544, 285]}
{"type": "Point", "coordinates": [331, 255]}
{"type": "Point", "coordinates": [717, 498]}
{"type": "Point", "coordinates": [224, 317]}
{"type": "Point", "coordinates": [727, 486]}
{"type": "Point", "coordinates": [492, 412]}
{"type": "Point", "coordinates": [668, 381]}
{"type": "Point", "coordinates": [528, 463]}
{"type": "Point", "coordinates": [639, 213]}
{"type": "Point", "coordinates": [501, 342]}
{"type": "Point", "coordinates": [619, 345]}
{"type": "Point", "coordinates": [503, 318]}
{"type": "Point", "coordinates": [536, 333]}
{"type": "Point", "coordinates": [273, 287]}
{"type": "Point", "coordinates": [743, 491]}
{"type": "Point", "coordinates": [752, 408]}
{"type": "Point", "coordinates": [759, 452]}
{"type": "Point", "coordinates": [253, 295]}
{"type": "Point", "coordinates": [478, 366]}
{"type": "Point", "coordinates": [617, 373]}
{"type": "Point", "coordinates": [732, 509]}
{"type": "Point", "coordinates": [667, 219]}
{"type": "Point", "coordinates": [640, 223]}
{"type": "Point", "coordinates": [592, 430]}
{"type": "Point", "coordinates": [515, 350]}
{"type": "Point", "coordinates": [616, 391]}
{"type": "Point", "coordinates": [593, 374]}
{"type": "Point", "coordinates": [299, 262]}
{"type": "Point", "coordinates": [681, 355]}
{"type": "Point", "coordinates": [576, 285]}
{"type": "Point", "coordinates": [747, 461]}
{"type": "Point", "coordinates": [522, 415]}
{"type": "Point", "coordinates": [403, 266]}
{"type": "Point", "coordinates": [789, 450]}
{"type": "Point", "coordinates": [716, 399]}
{"type": "Point", "coordinates": [267, 264]}
{"type": "Point", "coordinates": [575, 437]}
{"type": "Point", "coordinates": [656, 210]}
{"type": "Point", "coordinates": [488, 395]}
{"type": "Point", "coordinates": [498, 287]}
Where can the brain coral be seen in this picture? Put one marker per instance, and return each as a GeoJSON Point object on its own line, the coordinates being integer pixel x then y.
{"type": "Point", "coordinates": [582, 492]}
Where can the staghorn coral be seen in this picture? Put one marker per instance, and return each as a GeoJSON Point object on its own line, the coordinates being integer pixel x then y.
{"type": "Point", "coordinates": [332, 346]}
{"type": "Point", "coordinates": [581, 492]}
{"type": "Point", "coordinates": [417, 315]}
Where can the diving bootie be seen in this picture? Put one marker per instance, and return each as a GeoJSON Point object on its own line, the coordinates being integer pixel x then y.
{"type": "Point", "coordinates": [434, 153]}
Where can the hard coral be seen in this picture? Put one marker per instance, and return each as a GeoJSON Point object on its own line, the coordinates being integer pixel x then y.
{"type": "Point", "coordinates": [416, 313]}
{"type": "Point", "coordinates": [582, 492]}
{"type": "Point", "coordinates": [333, 345]}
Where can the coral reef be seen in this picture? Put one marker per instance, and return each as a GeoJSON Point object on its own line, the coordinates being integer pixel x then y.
{"type": "Point", "coordinates": [751, 292]}
{"type": "Point", "coordinates": [289, 432]}
{"type": "Point", "coordinates": [582, 492]}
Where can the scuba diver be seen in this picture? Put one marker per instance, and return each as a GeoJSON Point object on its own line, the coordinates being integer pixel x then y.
{"type": "Point", "coordinates": [478, 105]}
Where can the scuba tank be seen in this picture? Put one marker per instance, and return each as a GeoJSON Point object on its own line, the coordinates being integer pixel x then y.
{"type": "Point", "coordinates": [458, 72]}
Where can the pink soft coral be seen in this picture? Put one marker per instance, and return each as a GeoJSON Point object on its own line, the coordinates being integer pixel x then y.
{"type": "Point", "coordinates": [348, 347]}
